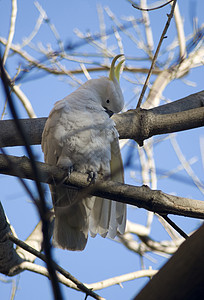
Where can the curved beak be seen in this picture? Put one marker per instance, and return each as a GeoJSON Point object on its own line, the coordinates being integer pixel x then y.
{"type": "Point", "coordinates": [108, 111]}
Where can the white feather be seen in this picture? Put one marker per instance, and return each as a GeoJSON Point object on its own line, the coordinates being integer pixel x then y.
{"type": "Point", "coordinates": [80, 134]}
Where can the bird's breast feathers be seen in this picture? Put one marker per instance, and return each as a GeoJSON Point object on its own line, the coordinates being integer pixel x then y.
{"type": "Point", "coordinates": [83, 136]}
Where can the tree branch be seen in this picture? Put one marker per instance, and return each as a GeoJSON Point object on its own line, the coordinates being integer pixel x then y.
{"type": "Point", "coordinates": [38, 254]}
{"type": "Point", "coordinates": [180, 32]}
{"type": "Point", "coordinates": [154, 59]}
{"type": "Point", "coordinates": [182, 276]}
{"type": "Point", "coordinates": [142, 197]}
{"type": "Point", "coordinates": [92, 286]}
{"type": "Point", "coordinates": [144, 124]}
{"type": "Point", "coordinates": [183, 114]}
{"type": "Point", "coordinates": [14, 261]}
{"type": "Point", "coordinates": [147, 244]}
{"type": "Point", "coordinates": [10, 260]}
{"type": "Point", "coordinates": [11, 30]}
{"type": "Point", "coordinates": [35, 240]}
{"type": "Point", "coordinates": [122, 278]}
{"type": "Point", "coordinates": [56, 71]}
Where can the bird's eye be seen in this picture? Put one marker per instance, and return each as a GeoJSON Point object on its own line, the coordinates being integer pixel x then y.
{"type": "Point", "coordinates": [107, 101]}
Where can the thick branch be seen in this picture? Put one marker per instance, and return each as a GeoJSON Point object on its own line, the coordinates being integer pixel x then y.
{"type": "Point", "coordinates": [182, 276]}
{"type": "Point", "coordinates": [143, 197]}
{"type": "Point", "coordinates": [9, 259]}
{"type": "Point", "coordinates": [14, 261]}
{"type": "Point", "coordinates": [183, 114]}
{"type": "Point", "coordinates": [40, 255]}
{"type": "Point", "coordinates": [147, 123]}
{"type": "Point", "coordinates": [9, 135]}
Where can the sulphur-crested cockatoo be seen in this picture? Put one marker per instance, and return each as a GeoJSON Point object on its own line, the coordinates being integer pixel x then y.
{"type": "Point", "coordinates": [79, 135]}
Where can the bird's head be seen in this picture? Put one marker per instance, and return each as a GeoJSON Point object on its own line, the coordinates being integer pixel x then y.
{"type": "Point", "coordinates": [106, 91]}
{"type": "Point", "coordinates": [112, 100]}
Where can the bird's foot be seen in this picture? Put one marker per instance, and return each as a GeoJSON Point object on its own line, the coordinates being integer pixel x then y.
{"type": "Point", "coordinates": [70, 170]}
{"type": "Point", "coordinates": [91, 176]}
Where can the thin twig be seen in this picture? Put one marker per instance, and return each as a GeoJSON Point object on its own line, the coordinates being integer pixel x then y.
{"type": "Point", "coordinates": [186, 164]}
{"type": "Point", "coordinates": [51, 25]}
{"type": "Point", "coordinates": [22, 97]}
{"type": "Point", "coordinates": [176, 227]}
{"type": "Point", "coordinates": [153, 8]}
{"type": "Point", "coordinates": [156, 53]}
{"type": "Point", "coordinates": [27, 40]}
{"type": "Point", "coordinates": [180, 32]}
{"type": "Point", "coordinates": [11, 30]}
{"type": "Point", "coordinates": [22, 181]}
{"type": "Point", "coordinates": [92, 286]}
{"type": "Point", "coordinates": [38, 254]}
{"type": "Point", "coordinates": [148, 30]}
{"type": "Point", "coordinates": [122, 278]}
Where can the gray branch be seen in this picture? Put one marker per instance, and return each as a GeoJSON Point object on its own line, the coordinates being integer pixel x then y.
{"type": "Point", "coordinates": [183, 114]}
{"type": "Point", "coordinates": [10, 260]}
{"type": "Point", "coordinates": [13, 261]}
{"type": "Point", "coordinates": [142, 197]}
{"type": "Point", "coordinates": [182, 276]}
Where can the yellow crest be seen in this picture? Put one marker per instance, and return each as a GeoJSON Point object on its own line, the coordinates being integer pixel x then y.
{"type": "Point", "coordinates": [115, 71]}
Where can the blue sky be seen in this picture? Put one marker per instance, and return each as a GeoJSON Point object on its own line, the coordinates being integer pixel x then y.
{"type": "Point", "coordinates": [102, 258]}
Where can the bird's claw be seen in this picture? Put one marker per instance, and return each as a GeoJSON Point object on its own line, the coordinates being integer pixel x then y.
{"type": "Point", "coordinates": [91, 176]}
{"type": "Point", "coordinates": [69, 171]}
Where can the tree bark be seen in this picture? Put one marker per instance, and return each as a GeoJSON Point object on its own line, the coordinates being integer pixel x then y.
{"type": "Point", "coordinates": [9, 259]}
{"type": "Point", "coordinates": [142, 197]}
{"type": "Point", "coordinates": [182, 276]}
{"type": "Point", "coordinates": [140, 124]}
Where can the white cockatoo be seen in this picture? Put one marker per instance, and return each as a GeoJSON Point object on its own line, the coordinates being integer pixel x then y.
{"type": "Point", "coordinates": [79, 135]}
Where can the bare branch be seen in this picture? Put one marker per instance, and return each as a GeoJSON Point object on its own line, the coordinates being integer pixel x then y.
{"type": "Point", "coordinates": [51, 25]}
{"type": "Point", "coordinates": [56, 71]}
{"type": "Point", "coordinates": [148, 29]}
{"type": "Point", "coordinates": [38, 254]}
{"type": "Point", "coordinates": [27, 40]}
{"type": "Point", "coordinates": [182, 276]}
{"type": "Point", "coordinates": [141, 125]}
{"type": "Point", "coordinates": [186, 165]}
{"type": "Point", "coordinates": [22, 97]}
{"type": "Point", "coordinates": [122, 278]}
{"type": "Point", "coordinates": [175, 71]}
{"type": "Point", "coordinates": [35, 240]}
{"type": "Point", "coordinates": [170, 16]}
{"type": "Point", "coordinates": [180, 32]}
{"type": "Point", "coordinates": [11, 30]}
{"type": "Point", "coordinates": [152, 8]}
{"type": "Point", "coordinates": [9, 258]}
{"type": "Point", "coordinates": [13, 137]}
{"type": "Point", "coordinates": [147, 244]}
{"type": "Point", "coordinates": [183, 114]}
{"type": "Point", "coordinates": [153, 200]}
{"type": "Point", "coordinates": [92, 286]}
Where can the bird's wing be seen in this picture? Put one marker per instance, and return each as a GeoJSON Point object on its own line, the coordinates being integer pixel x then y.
{"type": "Point", "coordinates": [51, 149]}
{"type": "Point", "coordinates": [107, 216]}
{"type": "Point", "coordinates": [117, 174]}
{"type": "Point", "coordinates": [71, 213]}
